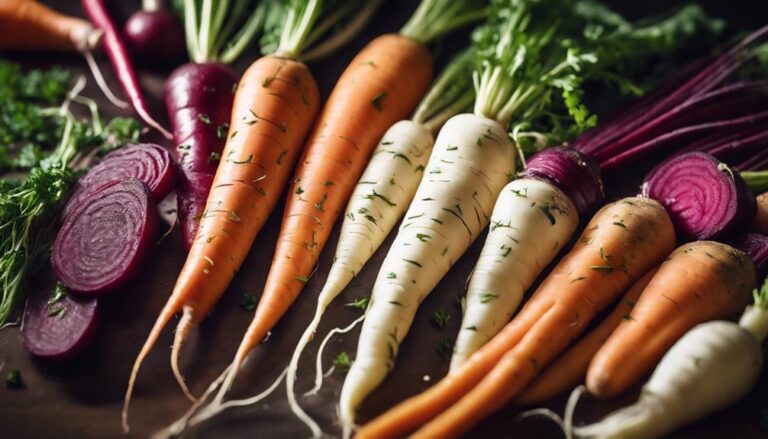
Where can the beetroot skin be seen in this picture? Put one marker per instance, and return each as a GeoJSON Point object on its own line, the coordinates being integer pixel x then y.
{"type": "Point", "coordinates": [59, 330]}
{"type": "Point", "coordinates": [155, 37]}
{"type": "Point", "coordinates": [199, 101]}
{"type": "Point", "coordinates": [756, 246]}
{"type": "Point", "coordinates": [106, 238]}
{"type": "Point", "coordinates": [147, 162]}
{"type": "Point", "coordinates": [704, 198]}
{"type": "Point", "coordinates": [573, 172]}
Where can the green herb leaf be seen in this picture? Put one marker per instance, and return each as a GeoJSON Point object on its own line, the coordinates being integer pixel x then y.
{"type": "Point", "coordinates": [342, 363]}
{"type": "Point", "coordinates": [248, 302]}
{"type": "Point", "coordinates": [440, 318]}
{"type": "Point", "coordinates": [13, 379]}
{"type": "Point", "coordinates": [361, 303]}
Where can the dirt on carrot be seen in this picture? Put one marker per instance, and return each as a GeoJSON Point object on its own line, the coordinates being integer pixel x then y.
{"type": "Point", "coordinates": [700, 281]}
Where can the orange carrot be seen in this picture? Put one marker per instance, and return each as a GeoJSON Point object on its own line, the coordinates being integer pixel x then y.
{"type": "Point", "coordinates": [760, 221]}
{"type": "Point", "coordinates": [699, 282]}
{"type": "Point", "coordinates": [570, 368]}
{"type": "Point", "coordinates": [621, 242]}
{"type": "Point", "coordinates": [368, 98]}
{"type": "Point", "coordinates": [30, 25]}
{"type": "Point", "coordinates": [275, 104]}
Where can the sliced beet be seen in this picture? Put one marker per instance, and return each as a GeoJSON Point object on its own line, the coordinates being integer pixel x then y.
{"type": "Point", "coordinates": [705, 199]}
{"type": "Point", "coordinates": [199, 100]}
{"type": "Point", "coordinates": [59, 327]}
{"type": "Point", "coordinates": [105, 239]}
{"type": "Point", "coordinates": [756, 246]}
{"type": "Point", "coordinates": [573, 172]}
{"type": "Point", "coordinates": [147, 162]}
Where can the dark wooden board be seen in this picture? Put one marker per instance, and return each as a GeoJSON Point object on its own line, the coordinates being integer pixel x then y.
{"type": "Point", "coordinates": [83, 399]}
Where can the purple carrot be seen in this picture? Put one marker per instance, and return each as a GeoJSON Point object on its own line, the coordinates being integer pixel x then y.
{"type": "Point", "coordinates": [199, 102]}
{"type": "Point", "coordinates": [121, 62]}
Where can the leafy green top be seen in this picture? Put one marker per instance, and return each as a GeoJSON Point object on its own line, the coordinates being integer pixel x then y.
{"type": "Point", "coordinates": [533, 56]}
{"type": "Point", "coordinates": [220, 30]}
{"type": "Point", "coordinates": [435, 18]}
{"type": "Point", "coordinates": [295, 25]}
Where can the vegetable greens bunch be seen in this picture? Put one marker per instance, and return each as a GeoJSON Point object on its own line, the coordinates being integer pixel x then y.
{"type": "Point", "coordinates": [534, 56]}
{"type": "Point", "coordinates": [51, 142]}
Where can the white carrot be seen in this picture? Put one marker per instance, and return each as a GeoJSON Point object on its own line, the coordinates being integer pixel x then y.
{"type": "Point", "coordinates": [385, 190]}
{"type": "Point", "coordinates": [472, 160]}
{"type": "Point", "coordinates": [530, 224]}
{"type": "Point", "coordinates": [714, 365]}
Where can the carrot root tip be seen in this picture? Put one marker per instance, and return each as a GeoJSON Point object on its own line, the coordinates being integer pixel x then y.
{"type": "Point", "coordinates": [182, 332]}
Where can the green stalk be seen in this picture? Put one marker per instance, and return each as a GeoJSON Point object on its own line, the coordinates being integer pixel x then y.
{"type": "Point", "coordinates": [243, 38]}
{"type": "Point", "coordinates": [757, 181]}
{"type": "Point", "coordinates": [435, 18]}
{"type": "Point", "coordinates": [190, 30]}
{"type": "Point", "coordinates": [335, 41]}
{"type": "Point", "coordinates": [205, 30]}
{"type": "Point", "coordinates": [450, 94]}
{"type": "Point", "coordinates": [298, 25]}
{"type": "Point", "coordinates": [234, 18]}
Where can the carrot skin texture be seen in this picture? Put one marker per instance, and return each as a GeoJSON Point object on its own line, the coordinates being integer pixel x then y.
{"type": "Point", "coordinates": [369, 97]}
{"type": "Point", "coordinates": [567, 299]}
{"type": "Point", "coordinates": [699, 282]}
{"type": "Point", "coordinates": [570, 369]}
{"type": "Point", "coordinates": [760, 221]}
{"type": "Point", "coordinates": [254, 169]}
{"type": "Point", "coordinates": [30, 25]}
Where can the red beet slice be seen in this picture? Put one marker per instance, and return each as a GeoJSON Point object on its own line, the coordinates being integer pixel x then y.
{"type": "Point", "coordinates": [756, 246]}
{"type": "Point", "coordinates": [705, 199]}
{"type": "Point", "coordinates": [106, 238]}
{"type": "Point", "coordinates": [147, 162]}
{"type": "Point", "coordinates": [59, 327]}
{"type": "Point", "coordinates": [573, 172]}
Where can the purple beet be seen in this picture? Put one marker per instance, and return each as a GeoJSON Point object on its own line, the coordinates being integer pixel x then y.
{"type": "Point", "coordinates": [155, 37]}
{"type": "Point", "coordinates": [756, 246]}
{"type": "Point", "coordinates": [705, 199]}
{"type": "Point", "coordinates": [573, 172]}
{"type": "Point", "coordinates": [106, 238]}
{"type": "Point", "coordinates": [60, 326]}
{"type": "Point", "coordinates": [199, 101]}
{"type": "Point", "coordinates": [150, 163]}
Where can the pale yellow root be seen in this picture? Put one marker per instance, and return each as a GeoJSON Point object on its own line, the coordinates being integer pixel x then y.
{"type": "Point", "coordinates": [178, 427]}
{"type": "Point", "coordinates": [165, 315]}
{"type": "Point", "coordinates": [182, 333]}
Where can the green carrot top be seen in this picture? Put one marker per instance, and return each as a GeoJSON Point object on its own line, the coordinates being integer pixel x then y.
{"type": "Point", "coordinates": [533, 57]}
{"type": "Point", "coordinates": [435, 18]}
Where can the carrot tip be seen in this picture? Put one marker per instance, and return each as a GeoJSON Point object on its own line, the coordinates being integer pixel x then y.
{"type": "Point", "coordinates": [182, 331]}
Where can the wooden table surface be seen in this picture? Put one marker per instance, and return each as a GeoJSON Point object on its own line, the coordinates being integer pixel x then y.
{"type": "Point", "coordinates": [83, 399]}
